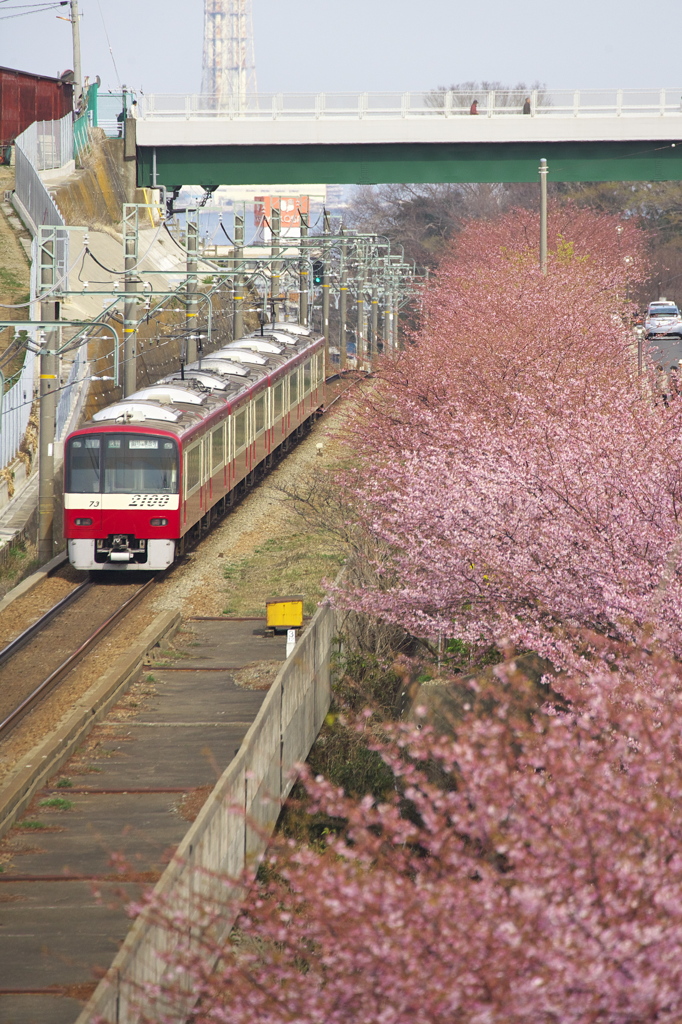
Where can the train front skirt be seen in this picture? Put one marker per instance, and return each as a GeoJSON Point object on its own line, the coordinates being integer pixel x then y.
{"type": "Point", "coordinates": [118, 553]}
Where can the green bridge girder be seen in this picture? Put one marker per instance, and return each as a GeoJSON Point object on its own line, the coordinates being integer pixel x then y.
{"type": "Point", "coordinates": [362, 163]}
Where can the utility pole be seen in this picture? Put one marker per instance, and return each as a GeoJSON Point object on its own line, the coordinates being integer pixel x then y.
{"type": "Point", "coordinates": [387, 314]}
{"type": "Point", "coordinates": [372, 346]}
{"type": "Point", "coordinates": [130, 223]}
{"type": "Point", "coordinates": [360, 327]}
{"type": "Point", "coordinates": [275, 250]}
{"type": "Point", "coordinates": [303, 274]}
{"type": "Point", "coordinates": [238, 315]}
{"type": "Point", "coordinates": [343, 301]}
{"type": "Point", "coordinates": [191, 223]}
{"type": "Point", "coordinates": [543, 169]}
{"type": "Point", "coordinates": [49, 310]}
{"type": "Point", "coordinates": [76, 36]}
{"type": "Point", "coordinates": [326, 230]}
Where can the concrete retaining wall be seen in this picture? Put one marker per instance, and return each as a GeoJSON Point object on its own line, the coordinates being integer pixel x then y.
{"type": "Point", "coordinates": [231, 831]}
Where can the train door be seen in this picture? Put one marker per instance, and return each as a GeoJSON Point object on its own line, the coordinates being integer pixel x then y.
{"type": "Point", "coordinates": [278, 417]}
{"type": "Point", "coordinates": [293, 398]}
{"type": "Point", "coordinates": [192, 483]}
{"type": "Point", "coordinates": [217, 483]}
{"type": "Point", "coordinates": [240, 445]}
{"type": "Point", "coordinates": [259, 427]}
{"type": "Point", "coordinates": [307, 381]}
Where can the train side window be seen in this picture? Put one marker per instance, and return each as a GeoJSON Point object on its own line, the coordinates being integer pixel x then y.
{"type": "Point", "coordinates": [240, 430]}
{"type": "Point", "coordinates": [218, 447]}
{"type": "Point", "coordinates": [306, 377]}
{"type": "Point", "coordinates": [319, 368]}
{"type": "Point", "coordinates": [192, 468]}
{"type": "Point", "coordinates": [279, 399]}
{"type": "Point", "coordinates": [293, 388]}
{"type": "Point", "coordinates": [260, 413]}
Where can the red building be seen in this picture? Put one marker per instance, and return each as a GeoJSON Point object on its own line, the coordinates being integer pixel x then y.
{"type": "Point", "coordinates": [25, 98]}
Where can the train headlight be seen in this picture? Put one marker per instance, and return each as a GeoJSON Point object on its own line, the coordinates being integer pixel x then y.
{"type": "Point", "coordinates": [83, 521]}
{"type": "Point", "coordinates": [158, 522]}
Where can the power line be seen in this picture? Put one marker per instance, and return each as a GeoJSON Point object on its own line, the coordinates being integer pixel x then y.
{"type": "Point", "coordinates": [31, 9]}
{"type": "Point", "coordinates": [111, 52]}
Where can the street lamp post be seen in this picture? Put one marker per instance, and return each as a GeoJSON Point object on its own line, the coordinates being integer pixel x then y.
{"type": "Point", "coordinates": [543, 215]}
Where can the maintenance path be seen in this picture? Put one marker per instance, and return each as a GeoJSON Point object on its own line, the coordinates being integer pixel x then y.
{"type": "Point", "coordinates": [116, 810]}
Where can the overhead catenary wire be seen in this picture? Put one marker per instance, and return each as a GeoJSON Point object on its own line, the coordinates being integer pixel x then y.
{"type": "Point", "coordinates": [111, 52]}
{"type": "Point", "coordinates": [30, 9]}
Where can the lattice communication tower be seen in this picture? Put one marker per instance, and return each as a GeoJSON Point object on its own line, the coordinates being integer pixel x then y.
{"type": "Point", "coordinates": [229, 67]}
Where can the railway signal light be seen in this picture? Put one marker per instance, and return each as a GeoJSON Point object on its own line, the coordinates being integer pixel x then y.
{"type": "Point", "coordinates": [318, 272]}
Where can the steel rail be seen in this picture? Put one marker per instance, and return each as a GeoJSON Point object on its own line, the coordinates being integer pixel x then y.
{"type": "Point", "coordinates": [15, 645]}
{"type": "Point", "coordinates": [59, 673]}
{"type": "Point", "coordinates": [337, 376]}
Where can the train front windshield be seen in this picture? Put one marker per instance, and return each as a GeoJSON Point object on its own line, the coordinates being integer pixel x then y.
{"type": "Point", "coordinates": [122, 464]}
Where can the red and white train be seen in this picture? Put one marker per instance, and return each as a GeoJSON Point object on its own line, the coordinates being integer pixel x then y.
{"type": "Point", "coordinates": [152, 471]}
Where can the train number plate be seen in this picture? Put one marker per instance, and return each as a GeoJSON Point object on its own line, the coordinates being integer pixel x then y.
{"type": "Point", "coordinates": [119, 502]}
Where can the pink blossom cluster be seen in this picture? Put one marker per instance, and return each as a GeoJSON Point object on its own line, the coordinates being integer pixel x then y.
{"type": "Point", "coordinates": [543, 883]}
{"type": "Point", "coordinates": [521, 482]}
{"type": "Point", "coordinates": [522, 487]}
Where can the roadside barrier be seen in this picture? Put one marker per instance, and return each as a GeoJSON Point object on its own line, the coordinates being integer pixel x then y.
{"type": "Point", "coordinates": [220, 841]}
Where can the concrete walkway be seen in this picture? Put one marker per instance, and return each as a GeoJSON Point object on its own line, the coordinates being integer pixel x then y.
{"type": "Point", "coordinates": [62, 895]}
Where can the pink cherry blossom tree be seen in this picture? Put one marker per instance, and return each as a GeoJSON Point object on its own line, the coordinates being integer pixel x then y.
{"type": "Point", "coordinates": [535, 876]}
{"type": "Point", "coordinates": [521, 482]}
{"type": "Point", "coordinates": [521, 487]}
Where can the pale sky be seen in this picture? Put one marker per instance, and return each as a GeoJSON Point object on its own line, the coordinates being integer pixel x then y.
{"type": "Point", "coordinates": [364, 45]}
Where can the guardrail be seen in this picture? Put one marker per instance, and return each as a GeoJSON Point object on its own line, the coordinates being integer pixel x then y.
{"type": "Point", "coordinates": [437, 103]}
{"type": "Point", "coordinates": [220, 842]}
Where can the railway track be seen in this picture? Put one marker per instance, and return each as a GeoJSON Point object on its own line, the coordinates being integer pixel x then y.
{"type": "Point", "coordinates": [36, 661]}
{"type": "Point", "coordinates": [44, 653]}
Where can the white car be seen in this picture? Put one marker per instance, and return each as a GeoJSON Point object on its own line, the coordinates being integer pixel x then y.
{"type": "Point", "coordinates": [663, 320]}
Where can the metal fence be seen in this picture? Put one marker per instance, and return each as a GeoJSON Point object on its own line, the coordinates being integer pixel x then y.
{"type": "Point", "coordinates": [81, 136]}
{"type": "Point", "coordinates": [16, 410]}
{"type": "Point", "coordinates": [70, 391]}
{"type": "Point", "coordinates": [44, 145]}
{"type": "Point", "coordinates": [109, 107]}
{"type": "Point", "coordinates": [32, 193]}
{"type": "Point", "coordinates": [48, 144]}
{"type": "Point", "coordinates": [435, 103]}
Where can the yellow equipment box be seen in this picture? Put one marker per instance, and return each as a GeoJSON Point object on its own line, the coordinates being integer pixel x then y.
{"type": "Point", "coordinates": [284, 612]}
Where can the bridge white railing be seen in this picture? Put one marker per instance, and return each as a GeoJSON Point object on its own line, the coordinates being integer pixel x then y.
{"type": "Point", "coordinates": [438, 103]}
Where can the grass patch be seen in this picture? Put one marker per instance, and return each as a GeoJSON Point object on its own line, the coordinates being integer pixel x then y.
{"type": "Point", "coordinates": [9, 281]}
{"type": "Point", "coordinates": [32, 825]}
{"type": "Point", "coordinates": [57, 803]}
{"type": "Point", "coordinates": [21, 561]}
{"type": "Point", "coordinates": [64, 783]}
{"type": "Point", "coordinates": [295, 563]}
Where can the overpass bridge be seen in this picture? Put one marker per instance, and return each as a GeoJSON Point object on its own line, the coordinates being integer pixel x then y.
{"type": "Point", "coordinates": [362, 138]}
